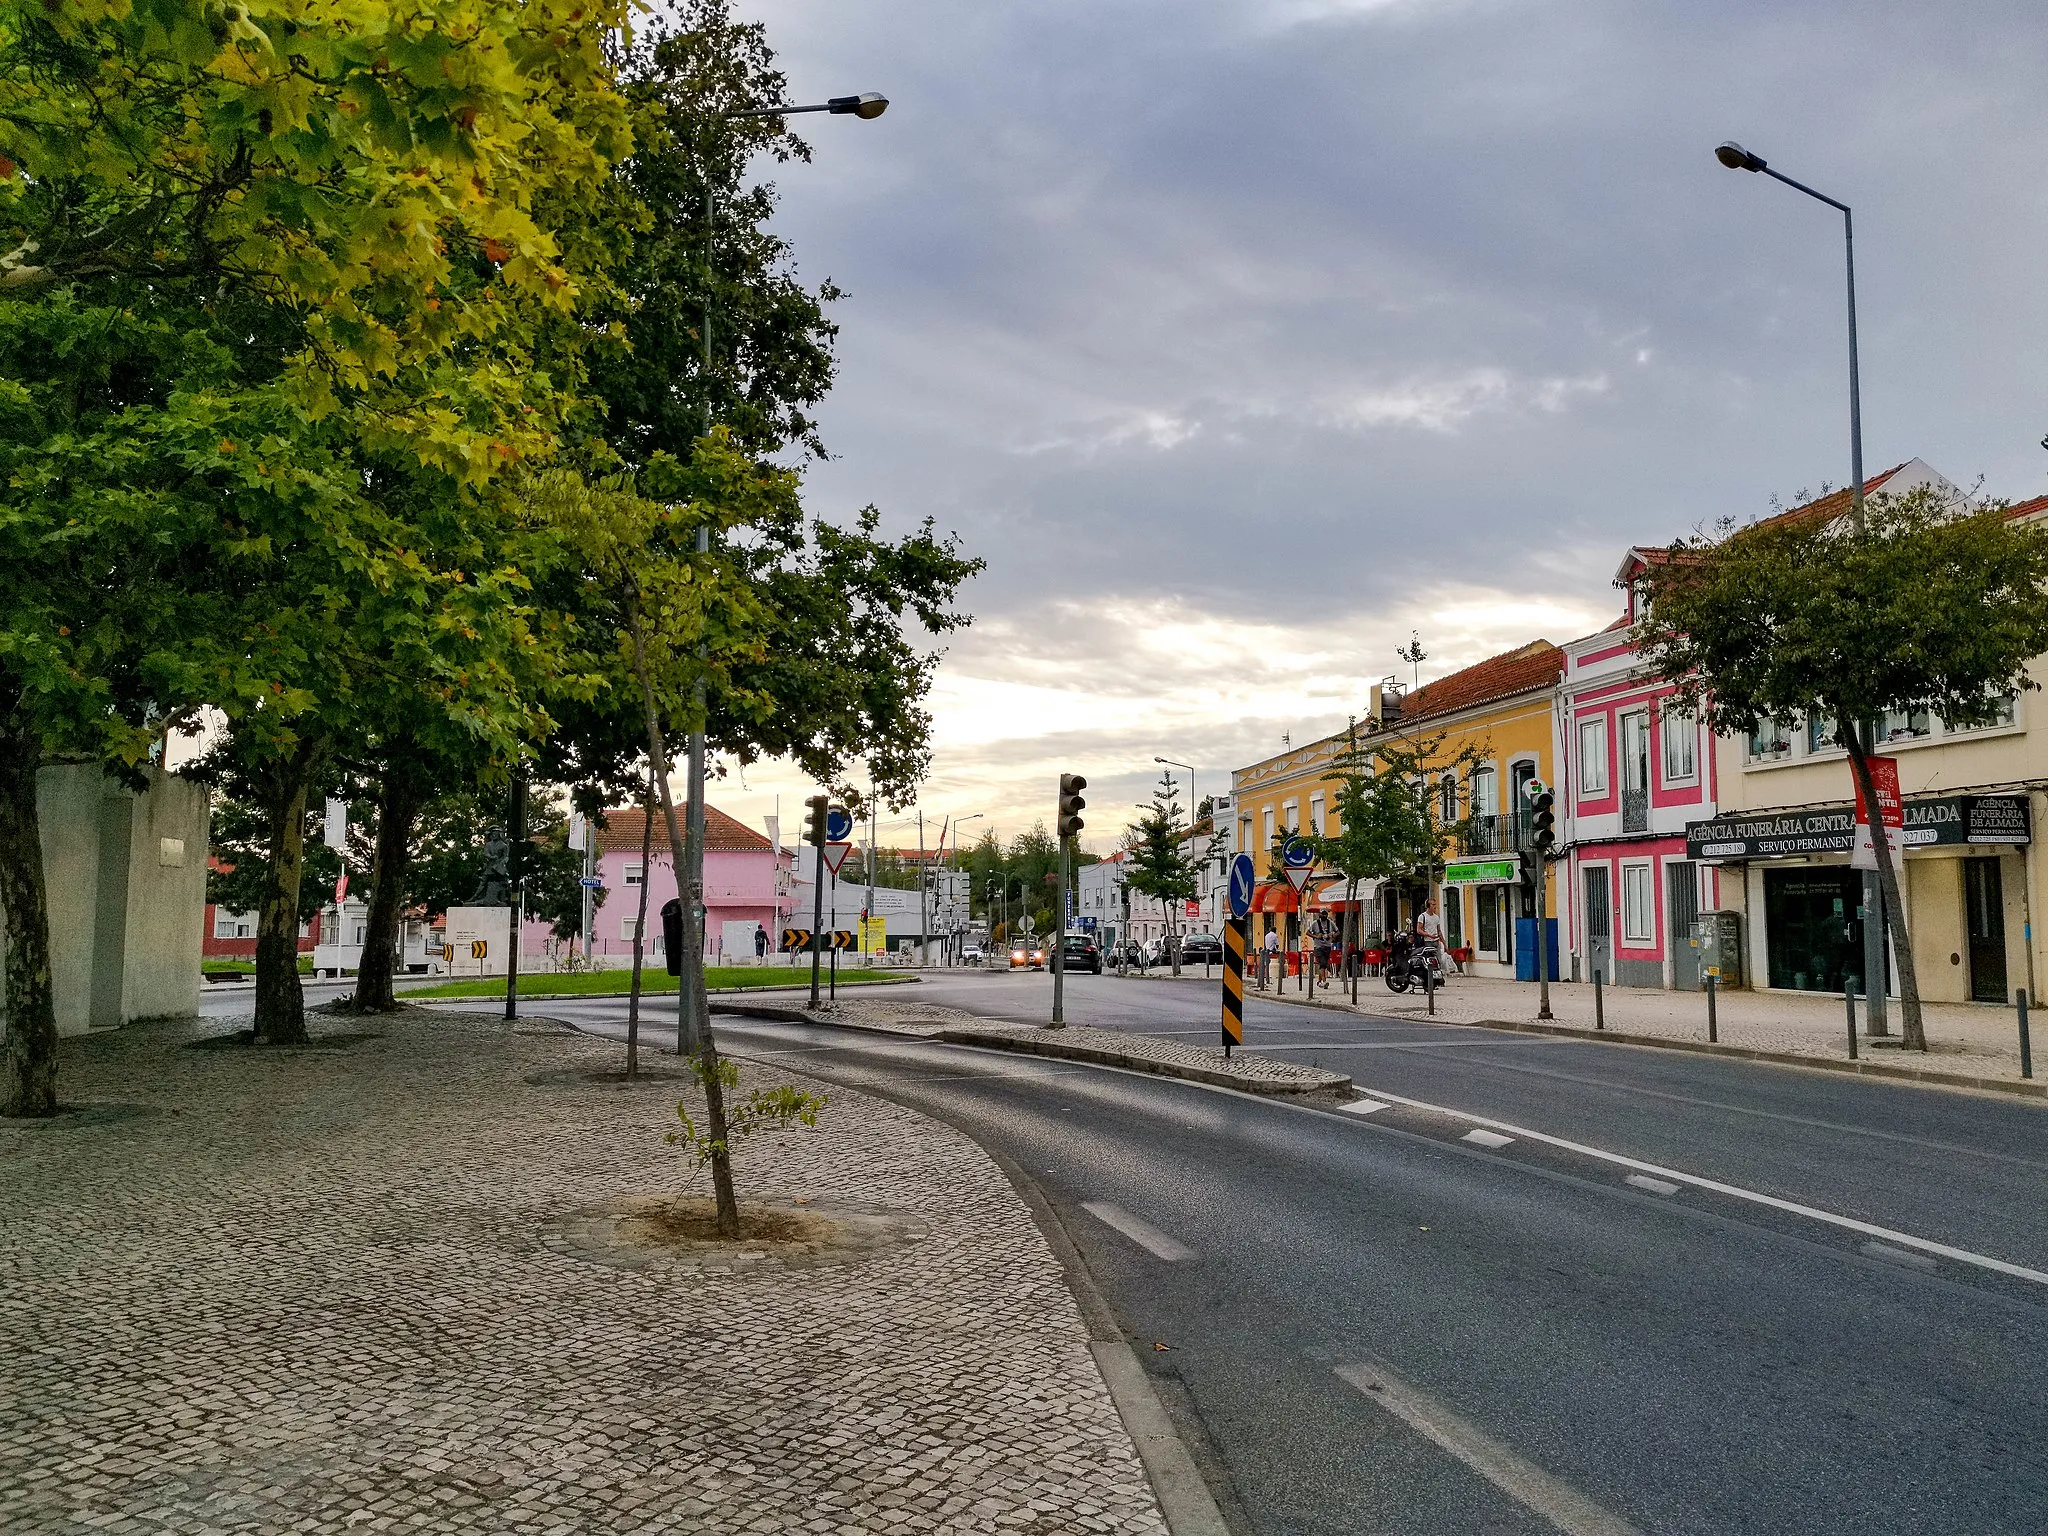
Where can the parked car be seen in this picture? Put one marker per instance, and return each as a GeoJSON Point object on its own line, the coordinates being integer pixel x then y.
{"type": "Point", "coordinates": [1128, 952]}
{"type": "Point", "coordinates": [1078, 953]}
{"type": "Point", "coordinates": [1201, 949]}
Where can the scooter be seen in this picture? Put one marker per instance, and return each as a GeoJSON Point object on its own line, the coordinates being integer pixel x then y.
{"type": "Point", "coordinates": [1412, 965]}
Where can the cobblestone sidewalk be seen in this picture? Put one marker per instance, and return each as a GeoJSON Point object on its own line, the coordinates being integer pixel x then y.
{"type": "Point", "coordinates": [316, 1290]}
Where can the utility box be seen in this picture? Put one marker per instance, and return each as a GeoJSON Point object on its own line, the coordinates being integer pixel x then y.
{"type": "Point", "coordinates": [1718, 938]}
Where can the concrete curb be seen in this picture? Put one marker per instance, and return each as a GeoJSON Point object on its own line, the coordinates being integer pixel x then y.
{"type": "Point", "coordinates": [1059, 1050]}
{"type": "Point", "coordinates": [1884, 1071]}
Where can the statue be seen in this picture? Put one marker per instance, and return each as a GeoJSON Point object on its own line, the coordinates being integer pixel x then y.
{"type": "Point", "coordinates": [494, 888]}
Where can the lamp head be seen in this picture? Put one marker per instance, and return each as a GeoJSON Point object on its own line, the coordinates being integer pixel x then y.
{"type": "Point", "coordinates": [868, 105]}
{"type": "Point", "coordinates": [1736, 158]}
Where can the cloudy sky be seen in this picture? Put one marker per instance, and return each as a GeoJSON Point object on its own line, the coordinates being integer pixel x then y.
{"type": "Point", "coordinates": [1243, 337]}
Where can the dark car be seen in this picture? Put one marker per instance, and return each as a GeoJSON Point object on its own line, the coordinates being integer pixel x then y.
{"type": "Point", "coordinates": [1205, 949]}
{"type": "Point", "coordinates": [1078, 953]}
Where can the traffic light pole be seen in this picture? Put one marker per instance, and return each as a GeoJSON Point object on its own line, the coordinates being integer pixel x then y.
{"type": "Point", "coordinates": [1542, 939]}
{"type": "Point", "coordinates": [1059, 946]}
{"type": "Point", "coordinates": [818, 803]}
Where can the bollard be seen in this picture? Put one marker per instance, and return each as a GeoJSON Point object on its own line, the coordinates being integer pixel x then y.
{"type": "Point", "coordinates": [1599, 1008]}
{"type": "Point", "coordinates": [1849, 1001]}
{"type": "Point", "coordinates": [1713, 1024]}
{"type": "Point", "coordinates": [2026, 1044]}
{"type": "Point", "coordinates": [1429, 985]}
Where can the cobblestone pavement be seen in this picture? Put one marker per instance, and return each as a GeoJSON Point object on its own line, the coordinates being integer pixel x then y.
{"type": "Point", "coordinates": [1965, 1039]}
{"type": "Point", "coordinates": [1145, 1052]}
{"type": "Point", "coordinates": [313, 1290]}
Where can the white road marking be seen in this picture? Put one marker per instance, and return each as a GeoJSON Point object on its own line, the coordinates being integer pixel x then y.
{"type": "Point", "coordinates": [1654, 1186]}
{"type": "Point", "coordinates": [1735, 1191]}
{"type": "Point", "coordinates": [1143, 1233]}
{"type": "Point", "coordinates": [1893, 1255]}
{"type": "Point", "coordinates": [1516, 1476]}
{"type": "Point", "coordinates": [1363, 1106]}
{"type": "Point", "coordinates": [1490, 1139]}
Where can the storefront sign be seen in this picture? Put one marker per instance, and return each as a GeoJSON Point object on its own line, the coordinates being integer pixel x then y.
{"type": "Point", "coordinates": [1950, 820]}
{"type": "Point", "coordinates": [1482, 872]}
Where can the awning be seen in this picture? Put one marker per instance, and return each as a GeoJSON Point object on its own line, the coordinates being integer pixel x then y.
{"type": "Point", "coordinates": [1273, 897]}
{"type": "Point", "coordinates": [1330, 896]}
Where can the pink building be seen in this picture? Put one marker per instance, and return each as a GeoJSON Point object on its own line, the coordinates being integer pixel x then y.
{"type": "Point", "coordinates": [1636, 771]}
{"type": "Point", "coordinates": [747, 886]}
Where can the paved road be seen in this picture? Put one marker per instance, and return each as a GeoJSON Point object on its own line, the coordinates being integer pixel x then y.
{"type": "Point", "coordinates": [1374, 1323]}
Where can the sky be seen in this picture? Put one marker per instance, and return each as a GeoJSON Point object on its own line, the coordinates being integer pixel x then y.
{"type": "Point", "coordinates": [1244, 338]}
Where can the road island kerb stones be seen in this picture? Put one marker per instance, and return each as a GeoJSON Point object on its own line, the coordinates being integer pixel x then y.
{"type": "Point", "coordinates": [381, 1286]}
{"type": "Point", "coordinates": [1247, 1073]}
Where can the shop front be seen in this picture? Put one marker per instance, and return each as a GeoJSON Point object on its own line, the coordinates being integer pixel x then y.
{"type": "Point", "coordinates": [1962, 879]}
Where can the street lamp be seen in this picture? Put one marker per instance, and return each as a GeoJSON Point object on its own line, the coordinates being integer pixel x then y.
{"type": "Point", "coordinates": [1736, 158]}
{"type": "Point", "coordinates": [1170, 763]}
{"type": "Point", "coordinates": [958, 823]}
{"type": "Point", "coordinates": [692, 1006]}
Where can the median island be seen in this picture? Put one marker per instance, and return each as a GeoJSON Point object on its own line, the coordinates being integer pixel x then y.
{"type": "Point", "coordinates": [717, 978]}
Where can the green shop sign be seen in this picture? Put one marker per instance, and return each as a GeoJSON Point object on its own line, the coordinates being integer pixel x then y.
{"type": "Point", "coordinates": [1482, 872]}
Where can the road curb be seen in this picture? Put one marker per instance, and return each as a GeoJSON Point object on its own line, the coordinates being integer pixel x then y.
{"type": "Point", "coordinates": [1102, 1057]}
{"type": "Point", "coordinates": [1884, 1071]}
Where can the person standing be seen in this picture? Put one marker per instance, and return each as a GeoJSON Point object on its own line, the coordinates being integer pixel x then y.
{"type": "Point", "coordinates": [1271, 955]}
{"type": "Point", "coordinates": [1429, 926]}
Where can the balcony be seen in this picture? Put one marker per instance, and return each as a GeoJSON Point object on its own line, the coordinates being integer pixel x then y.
{"type": "Point", "coordinates": [1497, 835]}
{"type": "Point", "coordinates": [1635, 810]}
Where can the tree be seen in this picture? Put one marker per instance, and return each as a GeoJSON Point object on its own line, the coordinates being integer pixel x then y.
{"type": "Point", "coordinates": [1387, 822]}
{"type": "Point", "coordinates": [1919, 604]}
{"type": "Point", "coordinates": [1159, 865]}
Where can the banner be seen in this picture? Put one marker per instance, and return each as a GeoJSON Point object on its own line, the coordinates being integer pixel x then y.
{"type": "Point", "coordinates": [1884, 778]}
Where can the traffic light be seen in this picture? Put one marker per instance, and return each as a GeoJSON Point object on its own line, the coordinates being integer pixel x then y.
{"type": "Point", "coordinates": [1543, 824]}
{"type": "Point", "coordinates": [818, 803]}
{"type": "Point", "coordinates": [1068, 823]}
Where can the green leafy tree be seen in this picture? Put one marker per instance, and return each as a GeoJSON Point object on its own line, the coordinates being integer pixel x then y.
{"type": "Point", "coordinates": [1158, 862]}
{"type": "Point", "coordinates": [1917, 604]}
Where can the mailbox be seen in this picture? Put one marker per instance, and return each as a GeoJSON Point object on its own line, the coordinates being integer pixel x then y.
{"type": "Point", "coordinates": [1718, 937]}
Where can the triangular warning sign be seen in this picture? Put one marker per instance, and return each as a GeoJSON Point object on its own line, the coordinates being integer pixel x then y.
{"type": "Point", "coordinates": [1299, 877]}
{"type": "Point", "coordinates": [835, 855]}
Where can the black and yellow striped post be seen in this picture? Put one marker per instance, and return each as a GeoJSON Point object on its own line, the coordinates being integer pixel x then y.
{"type": "Point", "coordinates": [1233, 984]}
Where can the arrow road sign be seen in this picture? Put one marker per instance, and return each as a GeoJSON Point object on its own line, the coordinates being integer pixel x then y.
{"type": "Point", "coordinates": [838, 825]}
{"type": "Point", "coordinates": [844, 938]}
{"type": "Point", "coordinates": [591, 882]}
{"type": "Point", "coordinates": [794, 939]}
{"type": "Point", "coordinates": [1244, 878]}
{"type": "Point", "coordinates": [835, 855]}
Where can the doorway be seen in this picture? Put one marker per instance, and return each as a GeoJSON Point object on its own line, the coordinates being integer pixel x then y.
{"type": "Point", "coordinates": [1682, 905]}
{"type": "Point", "coordinates": [1984, 906]}
{"type": "Point", "coordinates": [1599, 923]}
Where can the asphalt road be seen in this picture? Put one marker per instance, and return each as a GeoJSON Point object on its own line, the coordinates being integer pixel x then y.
{"type": "Point", "coordinates": [1823, 1320]}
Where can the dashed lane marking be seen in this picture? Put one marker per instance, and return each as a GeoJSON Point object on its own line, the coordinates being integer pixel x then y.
{"type": "Point", "coordinates": [1363, 1106]}
{"type": "Point", "coordinates": [1143, 1233]}
{"type": "Point", "coordinates": [1654, 1186]}
{"type": "Point", "coordinates": [1516, 1476]}
{"type": "Point", "coordinates": [1490, 1139]}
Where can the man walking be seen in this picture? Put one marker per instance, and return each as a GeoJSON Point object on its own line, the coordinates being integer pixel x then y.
{"type": "Point", "coordinates": [760, 942]}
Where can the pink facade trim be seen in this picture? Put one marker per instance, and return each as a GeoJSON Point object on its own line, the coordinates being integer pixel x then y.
{"type": "Point", "coordinates": [1607, 655]}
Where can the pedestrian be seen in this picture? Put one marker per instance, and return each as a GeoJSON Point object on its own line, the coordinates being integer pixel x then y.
{"type": "Point", "coordinates": [1271, 957]}
{"type": "Point", "coordinates": [760, 942]}
{"type": "Point", "coordinates": [1429, 926]}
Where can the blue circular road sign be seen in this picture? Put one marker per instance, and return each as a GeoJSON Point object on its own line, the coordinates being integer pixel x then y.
{"type": "Point", "coordinates": [838, 825]}
{"type": "Point", "coordinates": [1243, 878]}
{"type": "Point", "coordinates": [1296, 854]}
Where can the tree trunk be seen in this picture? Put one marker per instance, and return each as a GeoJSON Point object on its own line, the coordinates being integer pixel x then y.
{"type": "Point", "coordinates": [728, 1204]}
{"type": "Point", "coordinates": [280, 1001]}
{"type": "Point", "coordinates": [1351, 923]}
{"type": "Point", "coordinates": [398, 807]}
{"type": "Point", "coordinates": [28, 1056]}
{"type": "Point", "coordinates": [640, 929]}
{"type": "Point", "coordinates": [1912, 1031]}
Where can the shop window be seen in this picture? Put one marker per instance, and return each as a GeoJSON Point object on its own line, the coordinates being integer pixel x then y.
{"type": "Point", "coordinates": [1488, 902]}
{"type": "Point", "coordinates": [1769, 741]}
{"type": "Point", "coordinates": [1681, 733]}
{"type": "Point", "coordinates": [1811, 928]}
{"type": "Point", "coordinates": [1638, 905]}
{"type": "Point", "coordinates": [1905, 724]}
{"type": "Point", "coordinates": [1592, 758]}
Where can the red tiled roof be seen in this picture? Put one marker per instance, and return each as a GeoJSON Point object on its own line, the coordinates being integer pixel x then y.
{"type": "Point", "coordinates": [622, 829]}
{"type": "Point", "coordinates": [1824, 508]}
{"type": "Point", "coordinates": [2024, 509]}
{"type": "Point", "coordinates": [1538, 664]}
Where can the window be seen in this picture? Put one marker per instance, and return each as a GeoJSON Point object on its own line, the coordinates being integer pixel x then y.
{"type": "Point", "coordinates": [1315, 814]}
{"type": "Point", "coordinates": [1593, 758]}
{"type": "Point", "coordinates": [1821, 735]}
{"type": "Point", "coordinates": [1638, 904]}
{"type": "Point", "coordinates": [1905, 724]}
{"type": "Point", "coordinates": [1290, 812]}
{"type": "Point", "coordinates": [634, 873]}
{"type": "Point", "coordinates": [1681, 743]}
{"type": "Point", "coordinates": [1479, 792]}
{"type": "Point", "coordinates": [1770, 740]}
{"type": "Point", "coordinates": [2004, 711]}
{"type": "Point", "coordinates": [1447, 799]}
{"type": "Point", "coordinates": [1635, 752]}
{"type": "Point", "coordinates": [1269, 827]}
{"type": "Point", "coordinates": [233, 925]}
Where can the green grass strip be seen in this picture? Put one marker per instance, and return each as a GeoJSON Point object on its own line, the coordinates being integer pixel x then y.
{"type": "Point", "coordinates": [653, 979]}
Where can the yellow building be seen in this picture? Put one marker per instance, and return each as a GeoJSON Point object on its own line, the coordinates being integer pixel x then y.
{"type": "Point", "coordinates": [1502, 710]}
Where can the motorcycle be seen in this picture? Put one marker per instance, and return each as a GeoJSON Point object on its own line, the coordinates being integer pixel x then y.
{"type": "Point", "coordinates": [1410, 964]}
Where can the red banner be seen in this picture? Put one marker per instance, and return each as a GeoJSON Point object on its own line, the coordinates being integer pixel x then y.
{"type": "Point", "coordinates": [1884, 778]}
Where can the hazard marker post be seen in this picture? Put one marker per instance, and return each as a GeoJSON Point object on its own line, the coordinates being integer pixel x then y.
{"type": "Point", "coordinates": [1235, 934]}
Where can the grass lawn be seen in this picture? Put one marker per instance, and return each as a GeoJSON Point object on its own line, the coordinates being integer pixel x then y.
{"type": "Point", "coordinates": [654, 979]}
{"type": "Point", "coordinates": [247, 967]}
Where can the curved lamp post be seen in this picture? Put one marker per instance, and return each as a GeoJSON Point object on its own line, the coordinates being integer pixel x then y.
{"type": "Point", "coordinates": [1736, 158]}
